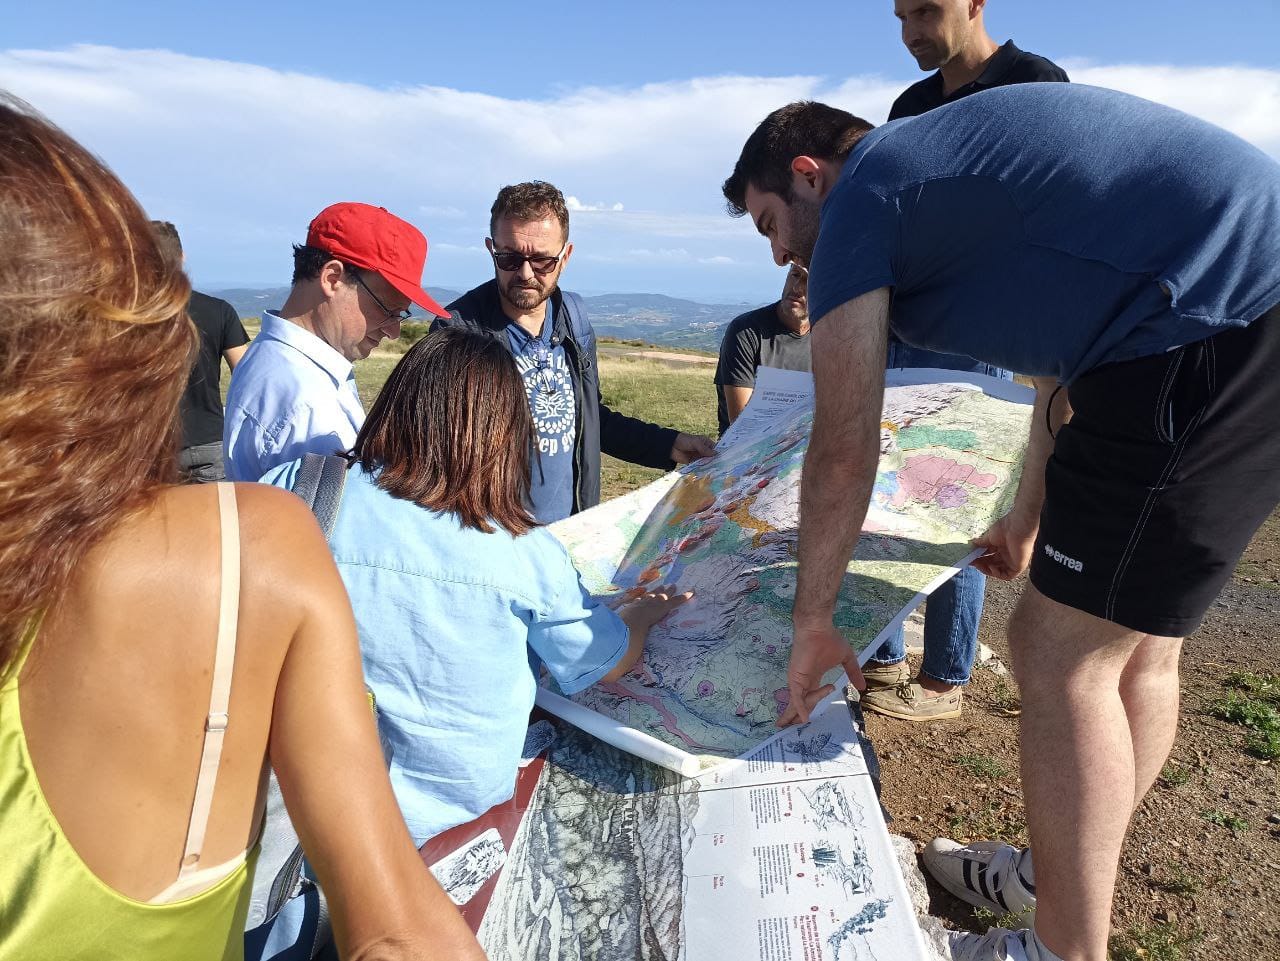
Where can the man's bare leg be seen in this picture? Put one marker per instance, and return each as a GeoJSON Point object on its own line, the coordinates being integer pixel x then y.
{"type": "Point", "coordinates": [1150, 691]}
{"type": "Point", "coordinates": [1079, 773]}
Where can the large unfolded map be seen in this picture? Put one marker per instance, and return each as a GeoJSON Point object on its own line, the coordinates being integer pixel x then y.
{"type": "Point", "coordinates": [713, 678]}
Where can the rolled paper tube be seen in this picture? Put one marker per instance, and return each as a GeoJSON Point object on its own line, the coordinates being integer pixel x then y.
{"type": "Point", "coordinates": [623, 738]}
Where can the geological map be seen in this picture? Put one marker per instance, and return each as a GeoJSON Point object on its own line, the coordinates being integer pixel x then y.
{"type": "Point", "coordinates": [713, 677]}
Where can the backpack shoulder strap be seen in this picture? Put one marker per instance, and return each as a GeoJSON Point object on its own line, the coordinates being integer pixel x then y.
{"type": "Point", "coordinates": [576, 311]}
{"type": "Point", "coordinates": [320, 482]}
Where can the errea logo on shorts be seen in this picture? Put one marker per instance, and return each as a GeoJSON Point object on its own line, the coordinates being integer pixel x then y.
{"type": "Point", "coordinates": [1068, 562]}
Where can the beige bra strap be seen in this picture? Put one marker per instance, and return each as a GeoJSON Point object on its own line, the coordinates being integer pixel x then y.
{"type": "Point", "coordinates": [215, 726]}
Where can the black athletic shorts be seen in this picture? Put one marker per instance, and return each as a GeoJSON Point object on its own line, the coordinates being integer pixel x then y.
{"type": "Point", "coordinates": [1167, 468]}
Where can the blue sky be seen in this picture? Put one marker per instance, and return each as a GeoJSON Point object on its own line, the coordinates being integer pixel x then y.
{"type": "Point", "coordinates": [240, 120]}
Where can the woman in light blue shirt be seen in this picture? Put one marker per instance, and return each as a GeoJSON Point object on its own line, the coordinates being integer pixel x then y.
{"type": "Point", "coordinates": [453, 583]}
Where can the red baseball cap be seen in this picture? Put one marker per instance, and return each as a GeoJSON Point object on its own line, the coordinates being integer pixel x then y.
{"type": "Point", "coordinates": [376, 239]}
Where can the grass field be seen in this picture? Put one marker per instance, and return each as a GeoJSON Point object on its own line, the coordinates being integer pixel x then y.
{"type": "Point", "coordinates": [680, 397]}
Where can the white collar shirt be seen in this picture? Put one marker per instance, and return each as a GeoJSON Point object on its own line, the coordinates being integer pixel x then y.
{"type": "Point", "coordinates": [291, 394]}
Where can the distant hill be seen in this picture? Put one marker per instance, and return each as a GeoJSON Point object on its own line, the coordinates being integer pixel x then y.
{"type": "Point", "coordinates": [654, 318]}
{"type": "Point", "coordinates": [658, 319]}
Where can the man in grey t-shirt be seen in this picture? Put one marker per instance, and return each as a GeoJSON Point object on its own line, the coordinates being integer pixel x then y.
{"type": "Point", "coordinates": [773, 336]}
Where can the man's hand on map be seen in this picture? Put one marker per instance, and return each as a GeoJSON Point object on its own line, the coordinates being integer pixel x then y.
{"type": "Point", "coordinates": [814, 651]}
{"type": "Point", "coordinates": [691, 446]}
{"type": "Point", "coordinates": [641, 613]}
{"type": "Point", "coordinates": [1008, 542]}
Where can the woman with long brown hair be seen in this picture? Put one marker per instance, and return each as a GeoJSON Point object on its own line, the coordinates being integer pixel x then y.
{"type": "Point", "coordinates": [455, 588]}
{"type": "Point", "coordinates": [159, 643]}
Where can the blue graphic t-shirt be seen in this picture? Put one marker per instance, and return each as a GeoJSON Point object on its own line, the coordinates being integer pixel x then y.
{"type": "Point", "coordinates": [547, 384]}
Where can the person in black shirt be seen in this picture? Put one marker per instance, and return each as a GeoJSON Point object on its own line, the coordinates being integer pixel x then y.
{"type": "Point", "coordinates": [949, 37]}
{"type": "Point", "coordinates": [222, 336]}
{"type": "Point", "coordinates": [776, 335]}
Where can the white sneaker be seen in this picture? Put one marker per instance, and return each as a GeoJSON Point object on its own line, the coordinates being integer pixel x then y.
{"type": "Point", "coordinates": [998, 944]}
{"type": "Point", "coordinates": [986, 874]}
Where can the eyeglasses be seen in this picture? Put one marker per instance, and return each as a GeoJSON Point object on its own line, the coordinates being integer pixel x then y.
{"type": "Point", "coordinates": [511, 261]}
{"type": "Point", "coordinates": [399, 315]}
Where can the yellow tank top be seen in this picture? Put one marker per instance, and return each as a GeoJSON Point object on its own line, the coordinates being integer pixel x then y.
{"type": "Point", "coordinates": [53, 907]}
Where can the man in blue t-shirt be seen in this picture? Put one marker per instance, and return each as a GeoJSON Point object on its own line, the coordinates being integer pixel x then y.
{"type": "Point", "coordinates": [548, 333]}
{"type": "Point", "coordinates": [1126, 256]}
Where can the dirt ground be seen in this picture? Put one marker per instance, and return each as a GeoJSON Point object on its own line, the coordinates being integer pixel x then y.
{"type": "Point", "coordinates": [1198, 877]}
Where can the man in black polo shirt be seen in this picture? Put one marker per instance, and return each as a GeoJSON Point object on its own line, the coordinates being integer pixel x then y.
{"type": "Point", "coordinates": [776, 335]}
{"type": "Point", "coordinates": [949, 37]}
{"type": "Point", "coordinates": [222, 336]}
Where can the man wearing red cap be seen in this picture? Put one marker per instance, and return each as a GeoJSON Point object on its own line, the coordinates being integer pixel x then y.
{"type": "Point", "coordinates": [294, 392]}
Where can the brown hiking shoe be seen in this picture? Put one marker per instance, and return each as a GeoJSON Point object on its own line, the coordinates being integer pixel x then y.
{"type": "Point", "coordinates": [885, 676]}
{"type": "Point", "coordinates": [910, 702]}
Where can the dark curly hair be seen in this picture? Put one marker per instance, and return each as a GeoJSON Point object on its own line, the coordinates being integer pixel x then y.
{"type": "Point", "coordinates": [529, 201]}
{"type": "Point", "coordinates": [801, 129]}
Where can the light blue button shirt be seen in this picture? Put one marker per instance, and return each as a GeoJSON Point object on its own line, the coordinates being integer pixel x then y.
{"type": "Point", "coordinates": [447, 616]}
{"type": "Point", "coordinates": [291, 394]}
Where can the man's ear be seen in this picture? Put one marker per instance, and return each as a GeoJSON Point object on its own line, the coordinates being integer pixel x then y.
{"type": "Point", "coordinates": [809, 177]}
{"type": "Point", "coordinates": [564, 261]}
{"type": "Point", "coordinates": [331, 275]}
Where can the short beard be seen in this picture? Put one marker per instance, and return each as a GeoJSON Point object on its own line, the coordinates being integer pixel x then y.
{"type": "Point", "coordinates": [525, 299]}
{"type": "Point", "coordinates": [929, 61]}
{"type": "Point", "coordinates": [806, 218]}
{"type": "Point", "coordinates": [792, 318]}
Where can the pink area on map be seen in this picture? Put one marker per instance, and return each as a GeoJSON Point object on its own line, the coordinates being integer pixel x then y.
{"type": "Point", "coordinates": [669, 721]}
{"type": "Point", "coordinates": [931, 478]}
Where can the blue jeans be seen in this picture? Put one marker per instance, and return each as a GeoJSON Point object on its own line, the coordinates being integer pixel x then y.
{"type": "Point", "coordinates": [954, 609]}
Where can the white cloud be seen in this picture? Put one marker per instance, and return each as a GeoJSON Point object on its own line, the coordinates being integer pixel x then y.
{"type": "Point", "coordinates": [442, 212]}
{"type": "Point", "coordinates": [577, 206]}
{"type": "Point", "coordinates": [1244, 100]}
{"type": "Point", "coordinates": [461, 248]}
{"type": "Point", "coordinates": [242, 156]}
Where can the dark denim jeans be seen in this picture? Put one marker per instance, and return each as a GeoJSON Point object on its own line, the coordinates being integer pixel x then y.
{"type": "Point", "coordinates": [202, 464]}
{"type": "Point", "coordinates": [954, 609]}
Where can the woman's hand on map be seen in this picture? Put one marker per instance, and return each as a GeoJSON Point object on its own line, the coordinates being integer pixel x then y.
{"type": "Point", "coordinates": [642, 612]}
{"type": "Point", "coordinates": [814, 651]}
{"type": "Point", "coordinates": [1008, 542]}
{"type": "Point", "coordinates": [689, 447]}
{"type": "Point", "coordinates": [639, 614]}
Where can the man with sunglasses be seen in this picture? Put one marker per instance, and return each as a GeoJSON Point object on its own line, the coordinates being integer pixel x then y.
{"type": "Point", "coordinates": [294, 392]}
{"type": "Point", "coordinates": [549, 336]}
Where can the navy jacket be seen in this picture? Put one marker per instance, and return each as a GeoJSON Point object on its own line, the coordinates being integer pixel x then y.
{"type": "Point", "coordinates": [599, 428]}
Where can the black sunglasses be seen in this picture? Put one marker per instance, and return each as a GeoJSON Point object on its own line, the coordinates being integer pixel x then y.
{"type": "Point", "coordinates": [400, 315]}
{"type": "Point", "coordinates": [510, 261]}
